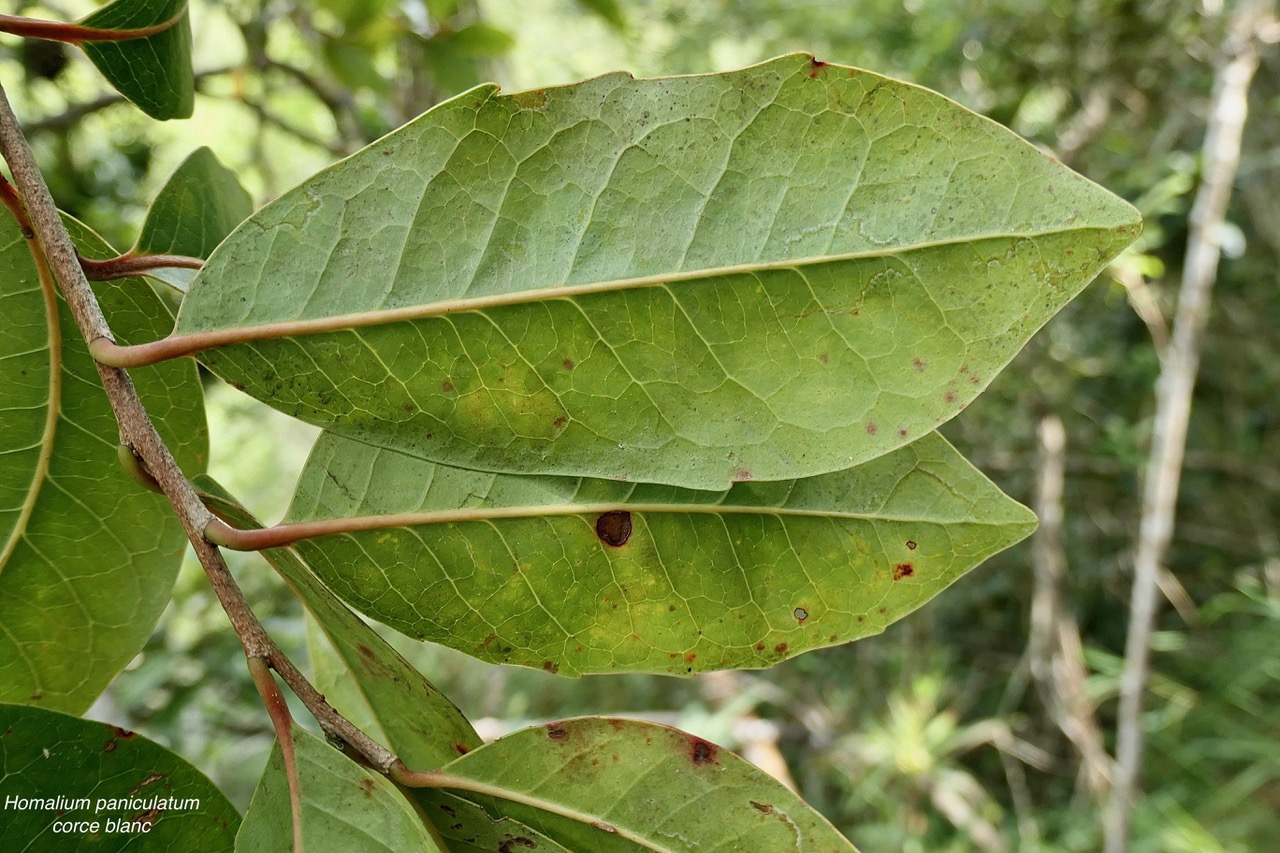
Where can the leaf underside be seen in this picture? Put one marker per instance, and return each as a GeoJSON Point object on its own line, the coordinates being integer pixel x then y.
{"type": "Point", "coordinates": [601, 576]}
{"type": "Point", "coordinates": [87, 558]}
{"type": "Point", "coordinates": [659, 788]}
{"type": "Point", "coordinates": [154, 72]}
{"type": "Point", "coordinates": [764, 274]}
{"type": "Point", "coordinates": [467, 827]}
{"type": "Point", "coordinates": [45, 755]}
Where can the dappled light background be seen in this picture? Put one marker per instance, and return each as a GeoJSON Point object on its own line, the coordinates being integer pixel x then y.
{"type": "Point", "coordinates": [947, 732]}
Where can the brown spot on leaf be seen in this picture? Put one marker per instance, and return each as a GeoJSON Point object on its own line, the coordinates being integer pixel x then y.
{"type": "Point", "coordinates": [801, 614]}
{"type": "Point", "coordinates": [555, 731]}
{"type": "Point", "coordinates": [781, 648]}
{"type": "Point", "coordinates": [903, 570]}
{"type": "Point", "coordinates": [109, 746]}
{"type": "Point", "coordinates": [872, 428]}
{"type": "Point", "coordinates": [604, 827]}
{"type": "Point", "coordinates": [150, 780]}
{"type": "Point", "coordinates": [446, 386]}
{"type": "Point", "coordinates": [824, 358]}
{"type": "Point", "coordinates": [408, 407]}
{"type": "Point", "coordinates": [487, 640]}
{"type": "Point", "coordinates": [461, 748]}
{"type": "Point", "coordinates": [701, 751]}
{"type": "Point", "coordinates": [691, 657]}
{"type": "Point", "coordinates": [763, 808]}
{"type": "Point", "coordinates": [918, 364]}
{"type": "Point", "coordinates": [911, 544]}
{"type": "Point", "coordinates": [559, 422]}
{"type": "Point", "coordinates": [366, 787]}
{"type": "Point", "coordinates": [950, 397]}
{"type": "Point", "coordinates": [448, 810]}
{"type": "Point", "coordinates": [550, 666]}
{"type": "Point", "coordinates": [534, 99]}
{"type": "Point", "coordinates": [759, 647]}
{"type": "Point", "coordinates": [568, 364]}
{"type": "Point", "coordinates": [365, 650]}
{"type": "Point", "coordinates": [902, 432]}
{"type": "Point", "coordinates": [614, 527]}
{"type": "Point", "coordinates": [514, 841]}
{"type": "Point", "coordinates": [816, 65]}
{"type": "Point", "coordinates": [742, 475]}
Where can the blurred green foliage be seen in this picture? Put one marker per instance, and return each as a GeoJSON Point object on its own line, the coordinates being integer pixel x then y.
{"type": "Point", "coordinates": [927, 737]}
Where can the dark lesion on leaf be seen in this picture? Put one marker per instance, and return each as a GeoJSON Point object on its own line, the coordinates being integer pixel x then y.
{"type": "Point", "coordinates": [701, 751]}
{"type": "Point", "coordinates": [614, 527]}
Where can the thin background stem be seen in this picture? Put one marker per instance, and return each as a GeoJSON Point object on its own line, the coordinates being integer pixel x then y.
{"type": "Point", "coordinates": [1229, 104]}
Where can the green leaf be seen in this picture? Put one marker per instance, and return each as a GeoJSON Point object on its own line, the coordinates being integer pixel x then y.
{"type": "Point", "coordinates": [466, 827]}
{"type": "Point", "coordinates": [352, 63]}
{"type": "Point", "coordinates": [368, 678]}
{"type": "Point", "coordinates": [87, 557]}
{"type": "Point", "coordinates": [200, 204]}
{"type": "Point", "coordinates": [609, 785]}
{"type": "Point", "coordinates": [580, 576]}
{"type": "Point", "coordinates": [770, 273]}
{"type": "Point", "coordinates": [355, 14]}
{"type": "Point", "coordinates": [106, 774]}
{"type": "Point", "coordinates": [481, 41]}
{"type": "Point", "coordinates": [610, 10]}
{"type": "Point", "coordinates": [154, 72]}
{"type": "Point", "coordinates": [345, 807]}
{"type": "Point", "coordinates": [384, 703]}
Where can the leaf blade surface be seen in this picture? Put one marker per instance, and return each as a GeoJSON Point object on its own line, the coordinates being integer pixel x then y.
{"type": "Point", "coordinates": [87, 558]}
{"type": "Point", "coordinates": [578, 576]}
{"type": "Point", "coordinates": [628, 785]}
{"type": "Point", "coordinates": [345, 807]}
{"type": "Point", "coordinates": [765, 274]}
{"type": "Point", "coordinates": [45, 755]}
{"type": "Point", "coordinates": [200, 204]}
{"type": "Point", "coordinates": [153, 72]}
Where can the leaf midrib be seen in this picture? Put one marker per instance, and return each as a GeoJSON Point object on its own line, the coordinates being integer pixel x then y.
{"type": "Point", "coordinates": [427, 517]}
{"type": "Point", "coordinates": [205, 339]}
